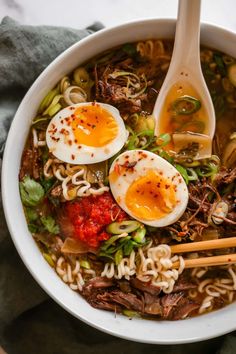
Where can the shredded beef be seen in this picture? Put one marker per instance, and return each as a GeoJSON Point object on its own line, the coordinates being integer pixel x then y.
{"type": "Point", "coordinates": [225, 176]}
{"type": "Point", "coordinates": [146, 287]}
{"type": "Point", "coordinates": [183, 309]}
{"type": "Point", "coordinates": [111, 295]}
{"type": "Point", "coordinates": [30, 164]}
{"type": "Point", "coordinates": [124, 286]}
{"type": "Point", "coordinates": [129, 301]}
{"type": "Point", "coordinates": [104, 305]}
{"type": "Point", "coordinates": [115, 94]}
{"type": "Point", "coordinates": [152, 305]}
{"type": "Point", "coordinates": [169, 302]}
{"type": "Point", "coordinates": [96, 284]}
{"type": "Point", "coordinates": [183, 284]}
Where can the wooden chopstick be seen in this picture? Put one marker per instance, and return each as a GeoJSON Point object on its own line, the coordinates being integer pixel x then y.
{"type": "Point", "coordinates": [207, 261]}
{"type": "Point", "coordinates": [204, 245]}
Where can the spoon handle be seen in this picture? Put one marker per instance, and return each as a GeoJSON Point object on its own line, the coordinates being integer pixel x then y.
{"type": "Point", "coordinates": [187, 37]}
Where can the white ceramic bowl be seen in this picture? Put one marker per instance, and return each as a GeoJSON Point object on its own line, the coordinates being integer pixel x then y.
{"type": "Point", "coordinates": [161, 332]}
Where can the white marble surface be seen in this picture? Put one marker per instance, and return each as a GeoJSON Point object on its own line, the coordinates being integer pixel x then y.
{"type": "Point", "coordinates": [81, 13]}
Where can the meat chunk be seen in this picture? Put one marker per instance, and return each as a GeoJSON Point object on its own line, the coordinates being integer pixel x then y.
{"type": "Point", "coordinates": [146, 287]}
{"type": "Point", "coordinates": [169, 302]}
{"type": "Point", "coordinates": [115, 94]}
{"type": "Point", "coordinates": [129, 301]}
{"type": "Point", "coordinates": [30, 164]}
{"type": "Point", "coordinates": [184, 308]}
{"type": "Point", "coordinates": [96, 284]}
{"type": "Point", "coordinates": [225, 176]}
{"type": "Point", "coordinates": [183, 284]}
{"type": "Point", "coordinates": [152, 305]}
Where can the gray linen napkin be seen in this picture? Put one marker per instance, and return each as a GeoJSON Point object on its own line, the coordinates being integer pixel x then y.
{"type": "Point", "coordinates": [30, 322]}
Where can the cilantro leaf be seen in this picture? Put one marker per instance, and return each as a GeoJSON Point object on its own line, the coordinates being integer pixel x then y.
{"type": "Point", "coordinates": [31, 192]}
{"type": "Point", "coordinates": [50, 224]}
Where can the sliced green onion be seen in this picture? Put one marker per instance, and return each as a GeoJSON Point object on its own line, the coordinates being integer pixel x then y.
{"type": "Point", "coordinates": [186, 105]}
{"type": "Point", "coordinates": [39, 120]}
{"type": "Point", "coordinates": [196, 126]}
{"type": "Point", "coordinates": [118, 256]}
{"type": "Point", "coordinates": [183, 172]}
{"type": "Point", "coordinates": [118, 73]}
{"type": "Point", "coordinates": [192, 175]}
{"type": "Point", "coordinates": [49, 259]}
{"type": "Point", "coordinates": [85, 264]}
{"type": "Point", "coordinates": [128, 247]}
{"type": "Point", "coordinates": [118, 228]}
{"type": "Point", "coordinates": [163, 139]}
{"type": "Point", "coordinates": [132, 142]}
{"type": "Point", "coordinates": [82, 78]}
{"type": "Point", "coordinates": [149, 132]}
{"type": "Point", "coordinates": [130, 313]}
{"type": "Point", "coordinates": [48, 99]}
{"type": "Point", "coordinates": [139, 235]}
{"type": "Point", "coordinates": [209, 170]}
{"type": "Point", "coordinates": [53, 107]}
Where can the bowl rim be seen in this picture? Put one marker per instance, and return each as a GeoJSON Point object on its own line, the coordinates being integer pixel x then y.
{"type": "Point", "coordinates": [146, 337]}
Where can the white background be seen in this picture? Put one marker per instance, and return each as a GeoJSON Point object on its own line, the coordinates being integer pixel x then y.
{"type": "Point", "coordinates": [81, 13]}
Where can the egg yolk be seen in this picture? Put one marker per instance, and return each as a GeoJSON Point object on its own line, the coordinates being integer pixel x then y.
{"type": "Point", "coordinates": [94, 126]}
{"type": "Point", "coordinates": [151, 197]}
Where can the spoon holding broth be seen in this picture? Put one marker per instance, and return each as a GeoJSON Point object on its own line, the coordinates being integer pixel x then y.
{"type": "Point", "coordinates": [184, 107]}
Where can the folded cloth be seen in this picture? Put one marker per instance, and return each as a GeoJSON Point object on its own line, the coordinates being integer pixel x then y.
{"type": "Point", "coordinates": [29, 321]}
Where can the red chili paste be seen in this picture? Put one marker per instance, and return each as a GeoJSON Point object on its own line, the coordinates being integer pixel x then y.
{"type": "Point", "coordinates": [91, 215]}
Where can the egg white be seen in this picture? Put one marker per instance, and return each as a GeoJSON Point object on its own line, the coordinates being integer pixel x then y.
{"type": "Point", "coordinates": [59, 147]}
{"type": "Point", "coordinates": [144, 161]}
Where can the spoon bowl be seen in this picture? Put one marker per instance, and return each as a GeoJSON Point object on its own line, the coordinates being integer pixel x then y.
{"type": "Point", "coordinates": [185, 77]}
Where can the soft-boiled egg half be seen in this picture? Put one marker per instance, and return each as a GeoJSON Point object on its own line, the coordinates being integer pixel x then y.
{"type": "Point", "coordinates": [86, 133]}
{"type": "Point", "coordinates": [148, 188]}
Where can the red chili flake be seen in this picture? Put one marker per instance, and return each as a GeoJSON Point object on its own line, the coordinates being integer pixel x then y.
{"type": "Point", "coordinates": [75, 141]}
{"type": "Point", "coordinates": [72, 108]}
{"type": "Point", "coordinates": [167, 186]}
{"type": "Point", "coordinates": [70, 142]}
{"type": "Point", "coordinates": [55, 139]}
{"type": "Point", "coordinates": [180, 180]}
{"type": "Point", "coordinates": [79, 147]}
{"type": "Point", "coordinates": [62, 121]}
{"type": "Point", "coordinates": [72, 156]}
{"type": "Point", "coordinates": [92, 155]}
{"type": "Point", "coordinates": [53, 125]}
{"type": "Point", "coordinates": [53, 131]}
{"type": "Point", "coordinates": [158, 185]}
{"type": "Point", "coordinates": [160, 173]}
{"type": "Point", "coordinates": [67, 119]}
